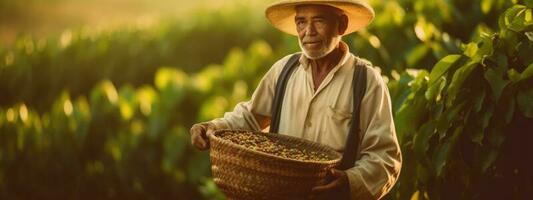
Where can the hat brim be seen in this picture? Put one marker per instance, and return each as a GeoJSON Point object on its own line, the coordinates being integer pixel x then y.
{"type": "Point", "coordinates": [281, 14]}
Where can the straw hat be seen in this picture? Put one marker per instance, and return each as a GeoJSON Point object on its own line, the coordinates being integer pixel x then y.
{"type": "Point", "coordinates": [281, 14]}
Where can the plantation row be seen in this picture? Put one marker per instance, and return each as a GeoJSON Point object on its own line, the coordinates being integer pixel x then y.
{"type": "Point", "coordinates": [122, 142]}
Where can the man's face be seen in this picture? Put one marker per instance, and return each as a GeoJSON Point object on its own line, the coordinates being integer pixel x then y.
{"type": "Point", "coordinates": [318, 29]}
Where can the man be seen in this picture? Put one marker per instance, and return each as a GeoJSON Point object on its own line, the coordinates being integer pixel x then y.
{"type": "Point", "coordinates": [318, 99]}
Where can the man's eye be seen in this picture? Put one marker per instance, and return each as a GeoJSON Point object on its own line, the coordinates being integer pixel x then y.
{"type": "Point", "coordinates": [300, 24]}
{"type": "Point", "coordinates": [320, 21]}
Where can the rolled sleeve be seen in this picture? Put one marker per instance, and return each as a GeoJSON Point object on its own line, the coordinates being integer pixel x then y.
{"type": "Point", "coordinates": [242, 116]}
{"type": "Point", "coordinates": [380, 158]}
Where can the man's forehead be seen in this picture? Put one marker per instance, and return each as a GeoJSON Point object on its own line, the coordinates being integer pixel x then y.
{"type": "Point", "coordinates": [313, 9]}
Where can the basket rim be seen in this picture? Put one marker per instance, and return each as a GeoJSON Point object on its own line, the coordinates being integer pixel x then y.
{"type": "Point", "coordinates": [213, 136]}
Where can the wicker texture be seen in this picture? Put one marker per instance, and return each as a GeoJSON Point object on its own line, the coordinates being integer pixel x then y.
{"type": "Point", "coordinates": [243, 173]}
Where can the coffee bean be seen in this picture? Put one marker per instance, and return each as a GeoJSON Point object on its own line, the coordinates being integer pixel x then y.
{"type": "Point", "coordinates": [268, 145]}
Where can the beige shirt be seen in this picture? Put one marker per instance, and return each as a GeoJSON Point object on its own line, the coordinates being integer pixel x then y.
{"type": "Point", "coordinates": [324, 116]}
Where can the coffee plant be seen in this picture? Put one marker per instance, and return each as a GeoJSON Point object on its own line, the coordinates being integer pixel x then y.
{"type": "Point", "coordinates": [464, 126]}
{"type": "Point", "coordinates": [106, 115]}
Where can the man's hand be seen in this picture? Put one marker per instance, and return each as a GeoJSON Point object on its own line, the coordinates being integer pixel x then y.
{"type": "Point", "coordinates": [199, 133]}
{"type": "Point", "coordinates": [336, 187]}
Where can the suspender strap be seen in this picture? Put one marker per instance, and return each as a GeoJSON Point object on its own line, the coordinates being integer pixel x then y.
{"type": "Point", "coordinates": [280, 92]}
{"type": "Point", "coordinates": [352, 142]}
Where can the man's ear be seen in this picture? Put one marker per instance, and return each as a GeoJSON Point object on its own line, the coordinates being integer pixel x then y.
{"type": "Point", "coordinates": [343, 24]}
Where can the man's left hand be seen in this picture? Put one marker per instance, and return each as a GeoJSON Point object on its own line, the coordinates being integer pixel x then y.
{"type": "Point", "coordinates": [336, 185]}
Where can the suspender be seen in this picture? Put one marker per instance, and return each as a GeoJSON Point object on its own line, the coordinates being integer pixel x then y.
{"type": "Point", "coordinates": [280, 91]}
{"type": "Point", "coordinates": [352, 142]}
{"type": "Point", "coordinates": [359, 89]}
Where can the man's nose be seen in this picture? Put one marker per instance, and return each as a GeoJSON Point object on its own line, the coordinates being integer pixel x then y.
{"type": "Point", "coordinates": [310, 29]}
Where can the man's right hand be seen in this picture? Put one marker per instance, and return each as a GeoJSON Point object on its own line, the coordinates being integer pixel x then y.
{"type": "Point", "coordinates": [199, 133]}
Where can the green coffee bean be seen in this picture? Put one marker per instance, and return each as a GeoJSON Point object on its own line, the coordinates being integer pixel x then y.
{"type": "Point", "coordinates": [268, 145]}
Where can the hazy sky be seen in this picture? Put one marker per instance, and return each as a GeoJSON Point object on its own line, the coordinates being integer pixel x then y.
{"type": "Point", "coordinates": [45, 17]}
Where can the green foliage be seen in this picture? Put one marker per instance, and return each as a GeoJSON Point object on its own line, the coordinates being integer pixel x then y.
{"type": "Point", "coordinates": [35, 71]}
{"type": "Point", "coordinates": [460, 123]}
{"type": "Point", "coordinates": [416, 34]}
{"type": "Point", "coordinates": [123, 143]}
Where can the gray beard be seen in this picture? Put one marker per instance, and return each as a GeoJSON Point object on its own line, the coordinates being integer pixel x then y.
{"type": "Point", "coordinates": [322, 54]}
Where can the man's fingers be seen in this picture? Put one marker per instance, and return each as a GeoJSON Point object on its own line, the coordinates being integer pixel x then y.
{"type": "Point", "coordinates": [198, 141]}
{"type": "Point", "coordinates": [210, 130]}
{"type": "Point", "coordinates": [333, 180]}
{"type": "Point", "coordinates": [323, 188]}
{"type": "Point", "coordinates": [196, 129]}
{"type": "Point", "coordinates": [198, 137]}
{"type": "Point", "coordinates": [336, 173]}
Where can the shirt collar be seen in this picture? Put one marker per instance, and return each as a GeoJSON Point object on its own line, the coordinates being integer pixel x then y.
{"type": "Point", "coordinates": [304, 60]}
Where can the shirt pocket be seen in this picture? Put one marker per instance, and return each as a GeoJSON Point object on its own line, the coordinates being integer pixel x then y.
{"type": "Point", "coordinates": [339, 114]}
{"type": "Point", "coordinates": [338, 123]}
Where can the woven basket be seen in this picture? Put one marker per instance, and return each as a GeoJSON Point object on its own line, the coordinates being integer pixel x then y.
{"type": "Point", "coordinates": [244, 174]}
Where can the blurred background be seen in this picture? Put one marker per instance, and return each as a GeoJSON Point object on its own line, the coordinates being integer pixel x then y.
{"type": "Point", "coordinates": [96, 97]}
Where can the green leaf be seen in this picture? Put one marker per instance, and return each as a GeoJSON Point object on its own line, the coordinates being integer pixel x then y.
{"type": "Point", "coordinates": [528, 18]}
{"type": "Point", "coordinates": [524, 99]}
{"type": "Point", "coordinates": [513, 75]}
{"type": "Point", "coordinates": [449, 116]}
{"type": "Point", "coordinates": [421, 144]}
{"type": "Point", "coordinates": [529, 3]}
{"type": "Point", "coordinates": [419, 81]}
{"type": "Point", "coordinates": [515, 18]}
{"type": "Point", "coordinates": [419, 195]}
{"type": "Point", "coordinates": [486, 45]}
{"type": "Point", "coordinates": [424, 30]}
{"type": "Point", "coordinates": [422, 173]}
{"type": "Point", "coordinates": [171, 78]}
{"type": "Point", "coordinates": [518, 22]}
{"type": "Point", "coordinates": [437, 110]}
{"type": "Point", "coordinates": [509, 109]}
{"type": "Point", "coordinates": [486, 5]}
{"type": "Point", "coordinates": [434, 91]}
{"type": "Point", "coordinates": [410, 116]}
{"type": "Point", "coordinates": [507, 17]}
{"type": "Point", "coordinates": [471, 50]}
{"type": "Point", "coordinates": [400, 90]}
{"type": "Point", "coordinates": [442, 66]}
{"type": "Point", "coordinates": [416, 54]}
{"type": "Point", "coordinates": [457, 81]}
{"type": "Point", "coordinates": [495, 131]}
{"type": "Point", "coordinates": [478, 134]}
{"type": "Point", "coordinates": [528, 72]}
{"type": "Point", "coordinates": [444, 150]}
{"type": "Point", "coordinates": [488, 159]}
{"type": "Point", "coordinates": [523, 52]}
{"type": "Point", "coordinates": [529, 35]}
{"type": "Point", "coordinates": [501, 61]}
{"type": "Point", "coordinates": [478, 100]}
{"type": "Point", "coordinates": [496, 82]}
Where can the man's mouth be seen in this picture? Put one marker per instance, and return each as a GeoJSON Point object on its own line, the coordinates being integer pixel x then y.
{"type": "Point", "coordinates": [312, 42]}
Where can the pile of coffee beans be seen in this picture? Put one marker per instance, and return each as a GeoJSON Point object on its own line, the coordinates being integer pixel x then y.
{"type": "Point", "coordinates": [268, 145]}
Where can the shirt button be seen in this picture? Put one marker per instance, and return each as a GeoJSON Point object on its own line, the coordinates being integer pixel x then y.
{"type": "Point", "coordinates": [309, 124]}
